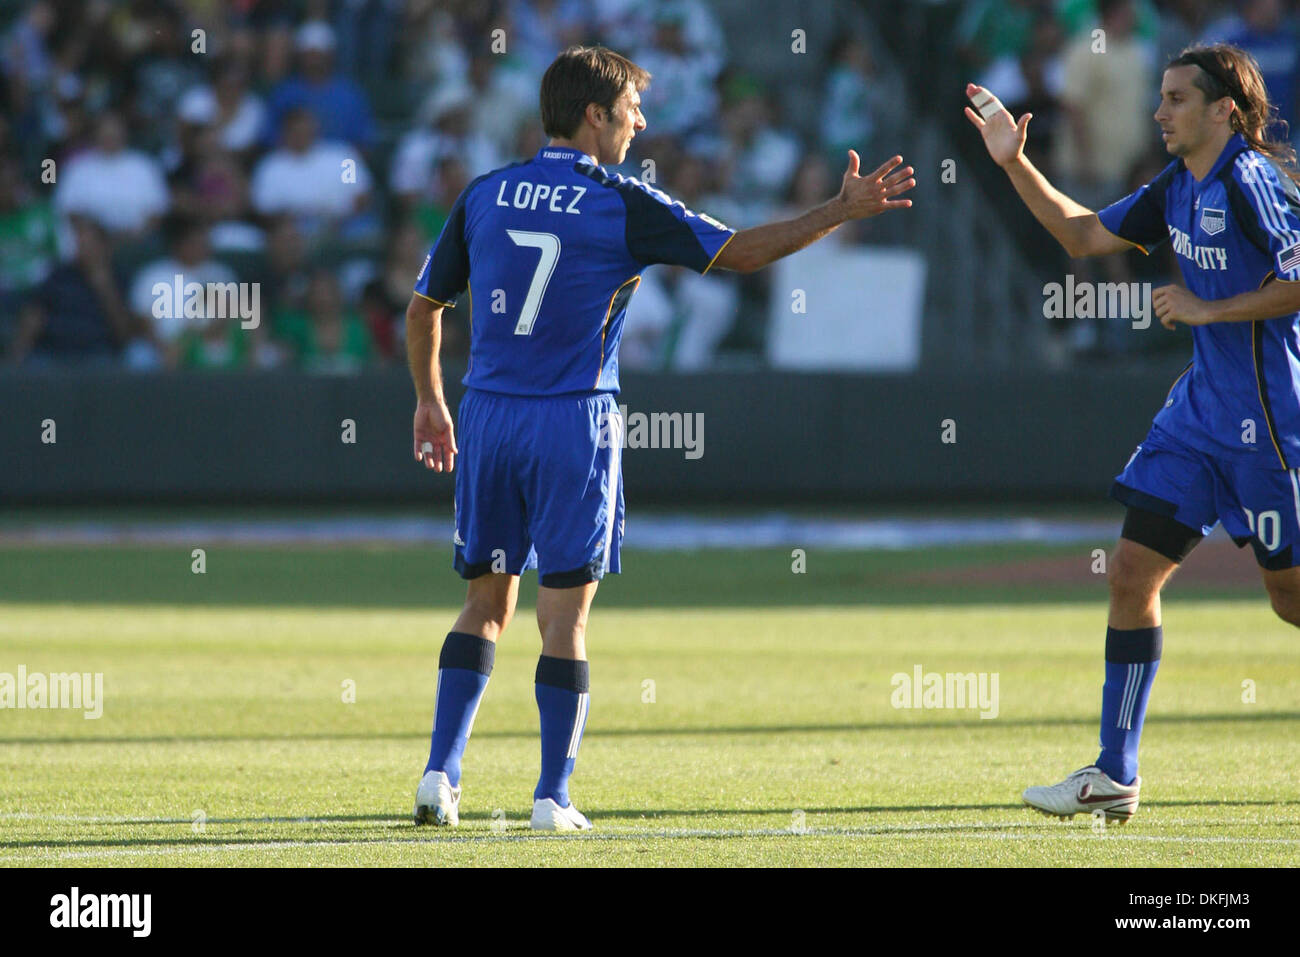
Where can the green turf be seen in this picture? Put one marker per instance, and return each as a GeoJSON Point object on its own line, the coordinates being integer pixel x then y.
{"type": "Point", "coordinates": [771, 696]}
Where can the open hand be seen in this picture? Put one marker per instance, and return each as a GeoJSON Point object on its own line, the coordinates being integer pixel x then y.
{"type": "Point", "coordinates": [871, 195]}
{"type": "Point", "coordinates": [1004, 138]}
{"type": "Point", "coordinates": [435, 439]}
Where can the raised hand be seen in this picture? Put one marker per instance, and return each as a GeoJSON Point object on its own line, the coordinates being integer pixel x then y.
{"type": "Point", "coordinates": [1004, 138]}
{"type": "Point", "coordinates": [871, 195]}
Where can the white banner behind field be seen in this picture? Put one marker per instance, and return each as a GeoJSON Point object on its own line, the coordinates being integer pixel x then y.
{"type": "Point", "coordinates": [861, 309]}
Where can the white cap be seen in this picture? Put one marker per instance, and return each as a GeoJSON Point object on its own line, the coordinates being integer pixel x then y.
{"type": "Point", "coordinates": [197, 105]}
{"type": "Point", "coordinates": [314, 35]}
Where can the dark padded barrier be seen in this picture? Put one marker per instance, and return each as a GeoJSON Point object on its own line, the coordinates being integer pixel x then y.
{"type": "Point", "coordinates": [768, 437]}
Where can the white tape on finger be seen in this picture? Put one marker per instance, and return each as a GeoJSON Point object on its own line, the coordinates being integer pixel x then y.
{"type": "Point", "coordinates": [426, 448]}
{"type": "Point", "coordinates": [987, 104]}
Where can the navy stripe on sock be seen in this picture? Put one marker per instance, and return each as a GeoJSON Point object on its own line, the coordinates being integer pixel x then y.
{"type": "Point", "coordinates": [563, 673]}
{"type": "Point", "coordinates": [467, 652]}
{"type": "Point", "coordinates": [1134, 646]}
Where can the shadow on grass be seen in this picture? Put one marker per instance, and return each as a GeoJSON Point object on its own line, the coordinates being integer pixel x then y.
{"type": "Point", "coordinates": [658, 822]}
{"type": "Point", "coordinates": [420, 578]}
{"type": "Point", "coordinates": [1247, 717]}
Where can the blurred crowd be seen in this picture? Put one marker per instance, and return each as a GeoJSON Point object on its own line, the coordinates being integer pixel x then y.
{"type": "Point", "coordinates": [1093, 131]}
{"type": "Point", "coordinates": [315, 147]}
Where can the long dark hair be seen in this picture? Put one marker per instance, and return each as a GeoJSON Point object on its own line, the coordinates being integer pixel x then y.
{"type": "Point", "coordinates": [1230, 71]}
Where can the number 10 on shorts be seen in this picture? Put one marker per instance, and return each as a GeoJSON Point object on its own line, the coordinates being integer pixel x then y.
{"type": "Point", "coordinates": [1268, 528]}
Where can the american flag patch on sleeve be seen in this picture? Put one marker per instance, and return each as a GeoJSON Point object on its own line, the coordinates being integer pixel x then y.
{"type": "Point", "coordinates": [1289, 258]}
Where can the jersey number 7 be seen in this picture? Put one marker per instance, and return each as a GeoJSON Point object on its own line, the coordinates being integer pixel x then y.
{"type": "Point", "coordinates": [549, 244]}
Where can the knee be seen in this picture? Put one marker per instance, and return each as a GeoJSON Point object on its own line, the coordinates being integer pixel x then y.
{"type": "Point", "coordinates": [1128, 583]}
{"type": "Point", "coordinates": [1286, 604]}
{"type": "Point", "coordinates": [568, 621]}
{"type": "Point", "coordinates": [491, 611]}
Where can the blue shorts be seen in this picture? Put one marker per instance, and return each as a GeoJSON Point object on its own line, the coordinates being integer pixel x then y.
{"type": "Point", "coordinates": [1259, 506]}
{"type": "Point", "coordinates": [539, 485]}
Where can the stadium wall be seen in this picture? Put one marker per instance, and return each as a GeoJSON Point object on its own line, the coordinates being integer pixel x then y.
{"type": "Point", "coordinates": [767, 437]}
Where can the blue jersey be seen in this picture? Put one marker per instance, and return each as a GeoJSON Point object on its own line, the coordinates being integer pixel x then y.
{"type": "Point", "coordinates": [551, 251]}
{"type": "Point", "coordinates": [1232, 232]}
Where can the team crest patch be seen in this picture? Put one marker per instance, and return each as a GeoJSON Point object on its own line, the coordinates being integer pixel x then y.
{"type": "Point", "coordinates": [1213, 221]}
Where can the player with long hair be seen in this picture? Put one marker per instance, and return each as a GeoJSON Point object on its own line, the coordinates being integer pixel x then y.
{"type": "Point", "coordinates": [1226, 446]}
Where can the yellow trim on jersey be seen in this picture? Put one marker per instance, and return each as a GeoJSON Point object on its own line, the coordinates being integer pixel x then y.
{"type": "Point", "coordinates": [605, 325]}
{"type": "Point", "coordinates": [1178, 380]}
{"type": "Point", "coordinates": [1137, 246]}
{"type": "Point", "coordinates": [1259, 388]}
{"type": "Point", "coordinates": [718, 253]}
{"type": "Point", "coordinates": [470, 364]}
{"type": "Point", "coordinates": [448, 305]}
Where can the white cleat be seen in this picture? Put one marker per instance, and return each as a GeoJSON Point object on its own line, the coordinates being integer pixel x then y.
{"type": "Point", "coordinates": [1086, 791]}
{"type": "Point", "coordinates": [549, 816]}
{"type": "Point", "coordinates": [436, 801]}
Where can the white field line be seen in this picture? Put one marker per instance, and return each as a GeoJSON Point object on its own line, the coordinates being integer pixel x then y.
{"type": "Point", "coordinates": [399, 820]}
{"type": "Point", "coordinates": [978, 832]}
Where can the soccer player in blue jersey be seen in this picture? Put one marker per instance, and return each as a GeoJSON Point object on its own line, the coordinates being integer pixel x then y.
{"type": "Point", "coordinates": [1226, 446]}
{"type": "Point", "coordinates": [551, 250]}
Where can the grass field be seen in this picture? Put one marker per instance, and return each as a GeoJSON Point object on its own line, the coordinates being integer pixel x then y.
{"type": "Point", "coordinates": [741, 714]}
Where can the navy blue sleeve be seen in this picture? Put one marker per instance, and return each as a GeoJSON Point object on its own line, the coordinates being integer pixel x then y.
{"type": "Point", "coordinates": [445, 272]}
{"type": "Point", "coordinates": [1139, 218]}
{"type": "Point", "coordinates": [662, 230]}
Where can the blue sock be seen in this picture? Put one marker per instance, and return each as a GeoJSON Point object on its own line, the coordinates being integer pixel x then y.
{"type": "Point", "coordinates": [463, 670]}
{"type": "Point", "coordinates": [562, 704]}
{"type": "Point", "coordinates": [1132, 657]}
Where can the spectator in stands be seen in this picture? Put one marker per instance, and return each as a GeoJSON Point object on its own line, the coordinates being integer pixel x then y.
{"type": "Point", "coordinates": [67, 124]}
{"type": "Point", "coordinates": [238, 113]}
{"type": "Point", "coordinates": [761, 154]}
{"type": "Point", "coordinates": [77, 316]}
{"type": "Point", "coordinates": [326, 336]}
{"type": "Point", "coordinates": [1266, 31]}
{"type": "Point", "coordinates": [207, 181]}
{"type": "Point", "coordinates": [367, 31]}
{"type": "Point", "coordinates": [340, 106]}
{"type": "Point", "coordinates": [323, 185]}
{"type": "Point", "coordinates": [682, 98]}
{"type": "Point", "coordinates": [542, 28]}
{"type": "Point", "coordinates": [163, 70]}
{"type": "Point", "coordinates": [855, 95]}
{"type": "Point", "coordinates": [1034, 83]}
{"type": "Point", "coordinates": [285, 273]}
{"type": "Point", "coordinates": [1181, 22]}
{"type": "Point", "coordinates": [121, 189]}
{"type": "Point", "coordinates": [448, 134]}
{"type": "Point", "coordinates": [1107, 108]}
{"type": "Point", "coordinates": [991, 29]}
{"type": "Point", "coordinates": [29, 248]}
{"type": "Point", "coordinates": [158, 298]}
{"type": "Point", "coordinates": [25, 53]}
{"type": "Point", "coordinates": [499, 97]}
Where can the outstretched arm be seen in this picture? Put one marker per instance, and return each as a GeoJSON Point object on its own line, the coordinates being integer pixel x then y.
{"type": "Point", "coordinates": [1075, 227]}
{"type": "Point", "coordinates": [860, 197]}
{"type": "Point", "coordinates": [432, 426]}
